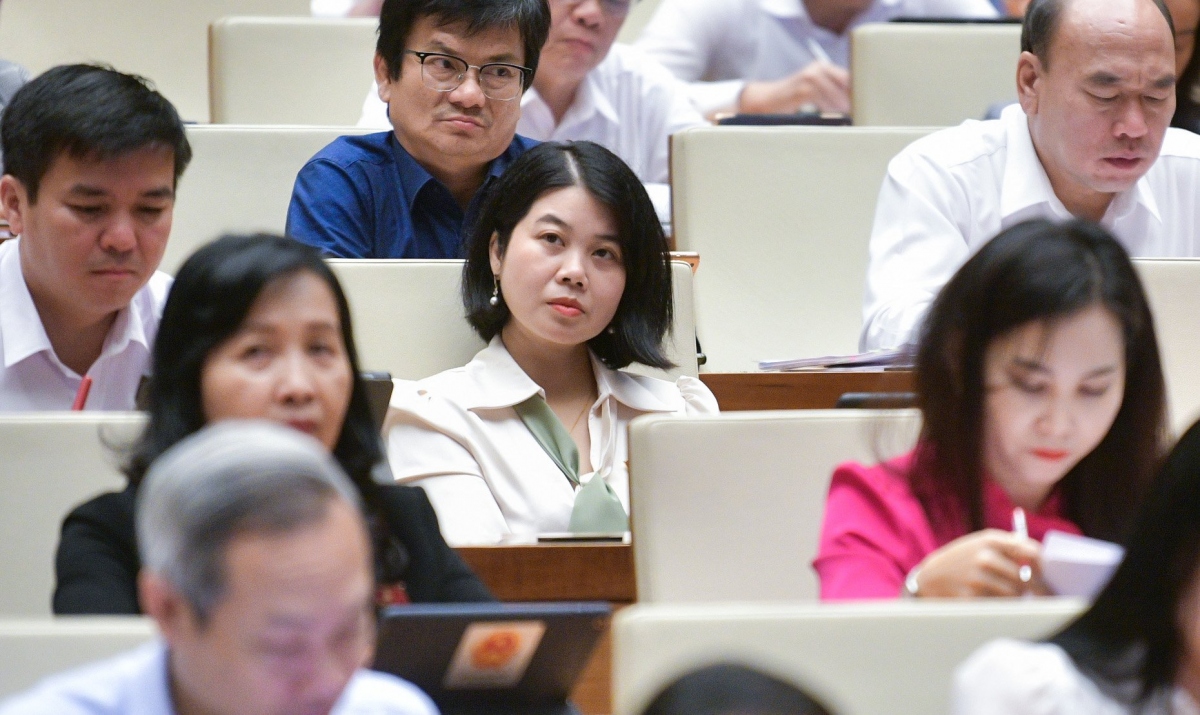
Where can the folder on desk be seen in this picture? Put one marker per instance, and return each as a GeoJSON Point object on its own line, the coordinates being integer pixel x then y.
{"type": "Point", "coordinates": [893, 358]}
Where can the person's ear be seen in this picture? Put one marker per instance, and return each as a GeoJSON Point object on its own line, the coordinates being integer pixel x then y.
{"type": "Point", "coordinates": [494, 255]}
{"type": "Point", "coordinates": [14, 200]}
{"type": "Point", "coordinates": [1029, 82]}
{"type": "Point", "coordinates": [383, 79]}
{"type": "Point", "coordinates": [161, 601]}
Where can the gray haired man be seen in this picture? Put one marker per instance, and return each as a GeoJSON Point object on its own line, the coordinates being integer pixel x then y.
{"type": "Point", "coordinates": [257, 570]}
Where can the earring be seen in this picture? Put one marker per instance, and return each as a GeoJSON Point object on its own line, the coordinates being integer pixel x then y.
{"type": "Point", "coordinates": [495, 299]}
{"type": "Point", "coordinates": [610, 330]}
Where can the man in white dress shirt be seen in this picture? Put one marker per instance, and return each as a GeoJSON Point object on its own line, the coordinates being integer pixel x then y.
{"type": "Point", "coordinates": [587, 87]}
{"type": "Point", "coordinates": [1096, 87]}
{"type": "Point", "coordinates": [769, 56]}
{"type": "Point", "coordinates": [92, 159]}
{"type": "Point", "coordinates": [257, 569]}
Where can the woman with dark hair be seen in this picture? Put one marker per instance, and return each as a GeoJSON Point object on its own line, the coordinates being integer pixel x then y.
{"type": "Point", "coordinates": [731, 689]}
{"type": "Point", "coordinates": [1040, 385]}
{"type": "Point", "coordinates": [1137, 649]}
{"type": "Point", "coordinates": [1186, 14]}
{"type": "Point", "coordinates": [258, 327]}
{"type": "Point", "coordinates": [567, 278]}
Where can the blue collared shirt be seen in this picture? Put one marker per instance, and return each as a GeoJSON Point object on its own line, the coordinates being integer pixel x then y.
{"type": "Point", "coordinates": [366, 197]}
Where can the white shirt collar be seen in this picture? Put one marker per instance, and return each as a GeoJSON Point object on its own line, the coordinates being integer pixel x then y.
{"type": "Point", "coordinates": [495, 380]}
{"type": "Point", "coordinates": [796, 9]}
{"type": "Point", "coordinates": [590, 100]}
{"type": "Point", "coordinates": [1026, 183]}
{"type": "Point", "coordinates": [21, 326]}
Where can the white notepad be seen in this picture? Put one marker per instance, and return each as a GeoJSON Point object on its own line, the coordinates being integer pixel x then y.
{"type": "Point", "coordinates": [1077, 565]}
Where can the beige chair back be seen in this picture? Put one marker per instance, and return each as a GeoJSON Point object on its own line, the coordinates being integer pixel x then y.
{"type": "Point", "coordinates": [728, 507]}
{"type": "Point", "coordinates": [290, 70]}
{"type": "Point", "coordinates": [165, 40]}
{"type": "Point", "coordinates": [930, 75]}
{"type": "Point", "coordinates": [408, 317]}
{"type": "Point", "coordinates": [34, 648]}
{"type": "Point", "coordinates": [52, 462]}
{"type": "Point", "coordinates": [781, 217]}
{"type": "Point", "coordinates": [1173, 288]}
{"type": "Point", "coordinates": [638, 16]}
{"type": "Point", "coordinates": [240, 180]}
{"type": "Point", "coordinates": [882, 658]}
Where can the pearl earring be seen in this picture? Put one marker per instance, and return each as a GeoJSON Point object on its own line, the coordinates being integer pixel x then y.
{"type": "Point", "coordinates": [495, 299]}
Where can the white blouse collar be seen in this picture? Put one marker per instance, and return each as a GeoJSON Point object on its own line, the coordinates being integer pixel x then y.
{"type": "Point", "coordinates": [494, 381]}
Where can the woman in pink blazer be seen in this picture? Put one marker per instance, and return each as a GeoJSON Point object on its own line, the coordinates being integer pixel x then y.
{"type": "Point", "coordinates": [1039, 381]}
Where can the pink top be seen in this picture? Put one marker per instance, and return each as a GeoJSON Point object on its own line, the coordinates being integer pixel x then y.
{"type": "Point", "coordinates": [876, 530]}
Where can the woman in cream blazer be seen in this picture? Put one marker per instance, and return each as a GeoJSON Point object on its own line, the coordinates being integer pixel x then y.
{"type": "Point", "coordinates": [567, 277]}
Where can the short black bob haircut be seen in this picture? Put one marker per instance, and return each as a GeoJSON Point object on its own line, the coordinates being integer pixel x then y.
{"type": "Point", "coordinates": [645, 312]}
{"type": "Point", "coordinates": [1133, 641]}
{"type": "Point", "coordinates": [212, 295]}
{"type": "Point", "coordinates": [1041, 22]}
{"type": "Point", "coordinates": [90, 112]}
{"type": "Point", "coordinates": [730, 689]}
{"type": "Point", "coordinates": [1038, 271]}
{"type": "Point", "coordinates": [531, 18]}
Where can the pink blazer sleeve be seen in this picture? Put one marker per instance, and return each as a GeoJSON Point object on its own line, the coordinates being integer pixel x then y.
{"type": "Point", "coordinates": [874, 532]}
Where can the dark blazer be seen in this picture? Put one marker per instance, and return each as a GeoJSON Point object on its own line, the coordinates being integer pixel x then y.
{"type": "Point", "coordinates": [97, 560]}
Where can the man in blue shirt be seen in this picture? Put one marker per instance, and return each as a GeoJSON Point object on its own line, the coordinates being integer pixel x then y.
{"type": "Point", "coordinates": [452, 74]}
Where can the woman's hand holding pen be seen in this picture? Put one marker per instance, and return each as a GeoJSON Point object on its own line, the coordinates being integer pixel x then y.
{"type": "Point", "coordinates": [982, 563]}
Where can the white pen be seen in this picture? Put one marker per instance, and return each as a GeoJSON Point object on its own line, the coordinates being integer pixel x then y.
{"type": "Point", "coordinates": [815, 49]}
{"type": "Point", "coordinates": [1021, 529]}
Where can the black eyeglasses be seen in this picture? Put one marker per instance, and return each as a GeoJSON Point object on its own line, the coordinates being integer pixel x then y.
{"type": "Point", "coordinates": [446, 73]}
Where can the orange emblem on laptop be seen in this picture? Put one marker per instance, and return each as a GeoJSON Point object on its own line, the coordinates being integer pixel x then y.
{"type": "Point", "coordinates": [496, 650]}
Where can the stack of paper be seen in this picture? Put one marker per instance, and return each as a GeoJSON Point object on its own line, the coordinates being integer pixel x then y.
{"type": "Point", "coordinates": [896, 357]}
{"type": "Point", "coordinates": [1076, 565]}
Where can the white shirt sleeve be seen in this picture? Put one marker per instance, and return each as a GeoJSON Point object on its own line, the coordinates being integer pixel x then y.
{"type": "Point", "coordinates": [331, 8]}
{"type": "Point", "coordinates": [953, 8]}
{"type": "Point", "coordinates": [685, 36]}
{"type": "Point", "coordinates": [419, 455]}
{"type": "Point", "coordinates": [1009, 677]}
{"type": "Point", "coordinates": [917, 243]}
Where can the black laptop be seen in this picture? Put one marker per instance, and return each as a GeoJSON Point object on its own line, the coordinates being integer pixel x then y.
{"type": "Point", "coordinates": [494, 658]}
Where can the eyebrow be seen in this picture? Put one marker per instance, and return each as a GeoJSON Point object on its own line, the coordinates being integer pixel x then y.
{"type": "Point", "coordinates": [505, 57]}
{"type": "Point", "coordinates": [251, 326]}
{"type": "Point", "coordinates": [1108, 79]}
{"type": "Point", "coordinates": [1035, 366]}
{"type": "Point", "coordinates": [1103, 79]}
{"type": "Point", "coordinates": [552, 219]}
{"type": "Point", "coordinates": [89, 191]}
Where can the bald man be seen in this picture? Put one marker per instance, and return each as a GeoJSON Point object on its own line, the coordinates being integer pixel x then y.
{"type": "Point", "coordinates": [1096, 89]}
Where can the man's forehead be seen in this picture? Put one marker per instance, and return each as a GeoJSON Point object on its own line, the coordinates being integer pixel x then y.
{"type": "Point", "coordinates": [1100, 22]}
{"type": "Point", "coordinates": [147, 170]}
{"type": "Point", "coordinates": [1113, 38]}
{"type": "Point", "coordinates": [495, 44]}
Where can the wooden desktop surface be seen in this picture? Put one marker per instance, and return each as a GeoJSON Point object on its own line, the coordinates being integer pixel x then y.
{"type": "Point", "coordinates": [564, 572]}
{"type": "Point", "coordinates": [819, 390]}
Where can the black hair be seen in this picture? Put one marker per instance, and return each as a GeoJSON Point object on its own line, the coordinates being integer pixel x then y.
{"type": "Point", "coordinates": [89, 112]}
{"type": "Point", "coordinates": [1039, 271]}
{"type": "Point", "coordinates": [1187, 96]}
{"type": "Point", "coordinates": [728, 689]}
{"type": "Point", "coordinates": [645, 312]}
{"type": "Point", "coordinates": [397, 18]}
{"type": "Point", "coordinates": [214, 291]}
{"type": "Point", "coordinates": [1133, 640]}
{"type": "Point", "coordinates": [1042, 18]}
